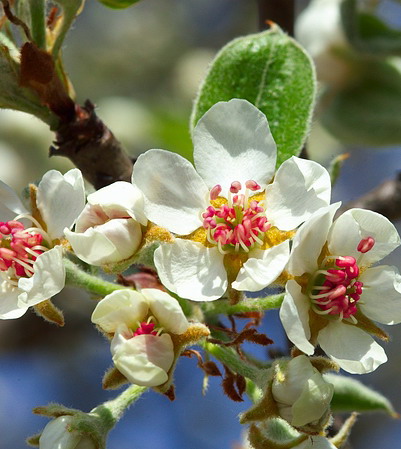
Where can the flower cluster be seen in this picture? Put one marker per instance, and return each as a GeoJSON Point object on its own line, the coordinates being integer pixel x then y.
{"type": "Point", "coordinates": [229, 224]}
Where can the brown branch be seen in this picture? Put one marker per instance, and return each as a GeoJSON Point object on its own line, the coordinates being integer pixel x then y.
{"type": "Point", "coordinates": [281, 12]}
{"type": "Point", "coordinates": [80, 135]}
{"type": "Point", "coordinates": [15, 20]}
{"type": "Point", "coordinates": [384, 199]}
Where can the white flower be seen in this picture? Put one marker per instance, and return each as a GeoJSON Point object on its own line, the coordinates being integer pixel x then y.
{"type": "Point", "coordinates": [109, 228]}
{"type": "Point", "coordinates": [31, 265]}
{"type": "Point", "coordinates": [336, 293]}
{"type": "Point", "coordinates": [235, 217]}
{"type": "Point", "coordinates": [57, 435]}
{"type": "Point", "coordinates": [142, 347]}
{"type": "Point", "coordinates": [318, 28]}
{"type": "Point", "coordinates": [302, 395]}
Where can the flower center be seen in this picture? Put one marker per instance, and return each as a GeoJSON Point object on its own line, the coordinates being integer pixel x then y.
{"type": "Point", "coordinates": [19, 248]}
{"type": "Point", "coordinates": [145, 329]}
{"type": "Point", "coordinates": [336, 289]}
{"type": "Point", "coordinates": [240, 223]}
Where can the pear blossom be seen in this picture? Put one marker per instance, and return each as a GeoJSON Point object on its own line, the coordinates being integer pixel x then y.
{"type": "Point", "coordinates": [232, 222]}
{"type": "Point", "coordinates": [336, 293]}
{"type": "Point", "coordinates": [108, 230]}
{"type": "Point", "coordinates": [57, 435]}
{"type": "Point", "coordinates": [302, 395]}
{"type": "Point", "coordinates": [142, 324]}
{"type": "Point", "coordinates": [31, 265]}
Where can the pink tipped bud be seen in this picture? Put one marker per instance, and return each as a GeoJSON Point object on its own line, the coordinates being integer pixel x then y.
{"type": "Point", "coordinates": [235, 187]}
{"type": "Point", "coordinates": [215, 192]}
{"type": "Point", "coordinates": [366, 245]}
{"type": "Point", "coordinates": [346, 261]}
{"type": "Point", "coordinates": [252, 185]}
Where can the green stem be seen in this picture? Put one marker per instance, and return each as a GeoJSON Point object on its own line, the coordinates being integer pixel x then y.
{"type": "Point", "coordinates": [70, 11]}
{"type": "Point", "coordinates": [38, 24]}
{"type": "Point", "coordinates": [247, 305]}
{"type": "Point", "coordinates": [79, 278]}
{"type": "Point", "coordinates": [232, 360]}
{"type": "Point", "coordinates": [117, 406]}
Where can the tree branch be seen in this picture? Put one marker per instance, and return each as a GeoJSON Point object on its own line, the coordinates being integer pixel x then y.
{"type": "Point", "coordinates": [384, 199]}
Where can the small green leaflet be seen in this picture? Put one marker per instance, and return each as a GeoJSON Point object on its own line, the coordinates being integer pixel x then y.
{"type": "Point", "coordinates": [273, 72]}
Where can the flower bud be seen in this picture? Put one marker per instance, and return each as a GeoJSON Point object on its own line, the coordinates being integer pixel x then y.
{"type": "Point", "coordinates": [57, 434]}
{"type": "Point", "coordinates": [109, 230]}
{"type": "Point", "coordinates": [302, 395]}
{"type": "Point", "coordinates": [143, 325]}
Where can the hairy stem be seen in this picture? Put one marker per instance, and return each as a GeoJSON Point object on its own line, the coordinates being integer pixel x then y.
{"type": "Point", "coordinates": [247, 305]}
{"type": "Point", "coordinates": [79, 278]}
{"type": "Point", "coordinates": [38, 25]}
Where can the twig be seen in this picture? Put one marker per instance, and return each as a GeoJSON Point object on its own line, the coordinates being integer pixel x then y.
{"type": "Point", "coordinates": [384, 199]}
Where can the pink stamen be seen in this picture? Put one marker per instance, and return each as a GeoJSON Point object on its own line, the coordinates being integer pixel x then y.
{"type": "Point", "coordinates": [215, 192]}
{"type": "Point", "coordinates": [346, 261]}
{"type": "Point", "coordinates": [366, 245]}
{"type": "Point", "coordinates": [235, 187]}
{"type": "Point", "coordinates": [145, 329]}
{"type": "Point", "coordinates": [19, 248]}
{"type": "Point", "coordinates": [252, 185]}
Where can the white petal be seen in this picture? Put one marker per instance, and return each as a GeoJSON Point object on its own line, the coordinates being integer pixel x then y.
{"type": "Point", "coordinates": [309, 240]}
{"type": "Point", "coordinates": [191, 270]}
{"type": "Point", "coordinates": [9, 308]}
{"type": "Point", "coordinates": [122, 306]}
{"type": "Point", "coordinates": [111, 242]}
{"type": "Point", "coordinates": [166, 310]}
{"type": "Point", "coordinates": [10, 204]}
{"type": "Point", "coordinates": [144, 359]}
{"type": "Point", "coordinates": [381, 296]}
{"type": "Point", "coordinates": [352, 348]}
{"type": "Point", "coordinates": [356, 224]}
{"type": "Point", "coordinates": [232, 142]}
{"type": "Point", "coordinates": [60, 200]}
{"type": "Point", "coordinates": [262, 268]}
{"type": "Point", "coordinates": [314, 401]}
{"type": "Point", "coordinates": [316, 443]}
{"type": "Point", "coordinates": [47, 280]}
{"type": "Point", "coordinates": [119, 198]}
{"type": "Point", "coordinates": [294, 315]}
{"type": "Point", "coordinates": [175, 194]}
{"type": "Point", "coordinates": [299, 189]}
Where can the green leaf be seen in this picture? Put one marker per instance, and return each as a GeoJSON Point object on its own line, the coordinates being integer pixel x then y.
{"type": "Point", "coordinates": [118, 4]}
{"type": "Point", "coordinates": [71, 8]}
{"type": "Point", "coordinates": [273, 72]}
{"type": "Point", "coordinates": [367, 112]}
{"type": "Point", "coordinates": [352, 395]}
{"type": "Point", "coordinates": [367, 33]}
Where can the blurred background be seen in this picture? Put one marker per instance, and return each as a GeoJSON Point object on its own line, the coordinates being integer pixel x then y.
{"type": "Point", "coordinates": [142, 67]}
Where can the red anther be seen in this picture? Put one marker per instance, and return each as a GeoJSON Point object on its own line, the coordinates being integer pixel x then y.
{"type": "Point", "coordinates": [352, 271]}
{"type": "Point", "coordinates": [7, 254]}
{"type": "Point", "coordinates": [358, 287]}
{"type": "Point", "coordinates": [340, 290]}
{"type": "Point", "coordinates": [346, 261]}
{"type": "Point", "coordinates": [215, 192]}
{"type": "Point", "coordinates": [366, 245]}
{"type": "Point", "coordinates": [252, 185]}
{"type": "Point", "coordinates": [235, 187]}
{"type": "Point", "coordinates": [145, 329]}
{"type": "Point", "coordinates": [210, 212]}
{"type": "Point", "coordinates": [336, 276]}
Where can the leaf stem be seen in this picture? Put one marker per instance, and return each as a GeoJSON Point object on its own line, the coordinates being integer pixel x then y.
{"type": "Point", "coordinates": [79, 278]}
{"type": "Point", "coordinates": [233, 361]}
{"type": "Point", "coordinates": [247, 305]}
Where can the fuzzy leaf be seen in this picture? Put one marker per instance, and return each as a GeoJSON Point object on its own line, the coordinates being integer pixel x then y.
{"type": "Point", "coordinates": [367, 33]}
{"type": "Point", "coordinates": [273, 72]}
{"type": "Point", "coordinates": [368, 112]}
{"type": "Point", "coordinates": [351, 395]}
